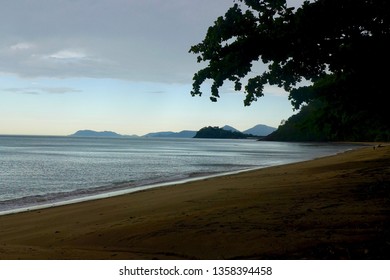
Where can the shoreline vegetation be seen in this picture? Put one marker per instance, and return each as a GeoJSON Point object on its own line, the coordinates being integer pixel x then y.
{"type": "Point", "coordinates": [335, 207]}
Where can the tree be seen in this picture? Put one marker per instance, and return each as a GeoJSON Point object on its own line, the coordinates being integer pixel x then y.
{"type": "Point", "coordinates": [216, 132]}
{"type": "Point", "coordinates": [340, 47]}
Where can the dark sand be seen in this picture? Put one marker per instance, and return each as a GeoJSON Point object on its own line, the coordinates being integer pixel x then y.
{"type": "Point", "coordinates": [336, 207]}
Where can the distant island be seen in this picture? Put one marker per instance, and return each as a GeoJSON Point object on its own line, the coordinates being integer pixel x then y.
{"type": "Point", "coordinates": [92, 133]}
{"type": "Point", "coordinates": [259, 130]}
{"type": "Point", "coordinates": [170, 134]}
{"type": "Point", "coordinates": [226, 131]}
{"type": "Point", "coordinates": [220, 133]}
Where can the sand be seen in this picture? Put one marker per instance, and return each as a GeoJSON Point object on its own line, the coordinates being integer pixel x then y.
{"type": "Point", "coordinates": [335, 207]}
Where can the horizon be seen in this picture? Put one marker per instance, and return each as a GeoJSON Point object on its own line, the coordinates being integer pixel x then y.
{"type": "Point", "coordinates": [131, 134]}
{"type": "Point", "coordinates": [118, 66]}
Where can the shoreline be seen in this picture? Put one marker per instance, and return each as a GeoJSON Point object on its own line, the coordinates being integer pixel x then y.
{"type": "Point", "coordinates": [332, 207]}
{"type": "Point", "coordinates": [111, 194]}
{"type": "Point", "coordinates": [125, 191]}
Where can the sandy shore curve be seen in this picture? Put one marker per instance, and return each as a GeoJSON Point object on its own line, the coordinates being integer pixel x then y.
{"type": "Point", "coordinates": [336, 207]}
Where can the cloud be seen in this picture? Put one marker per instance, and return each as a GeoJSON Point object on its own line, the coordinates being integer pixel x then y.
{"type": "Point", "coordinates": [59, 90]}
{"type": "Point", "coordinates": [23, 46]}
{"type": "Point", "coordinates": [41, 90]}
{"type": "Point", "coordinates": [119, 39]}
{"type": "Point", "coordinates": [67, 55]}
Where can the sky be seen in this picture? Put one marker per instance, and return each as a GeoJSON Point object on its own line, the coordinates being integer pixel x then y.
{"type": "Point", "coordinates": [118, 65]}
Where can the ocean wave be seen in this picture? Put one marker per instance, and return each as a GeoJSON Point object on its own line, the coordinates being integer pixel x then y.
{"type": "Point", "coordinates": [54, 174]}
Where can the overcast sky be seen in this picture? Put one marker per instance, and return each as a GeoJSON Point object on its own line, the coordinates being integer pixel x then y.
{"type": "Point", "coordinates": [120, 65]}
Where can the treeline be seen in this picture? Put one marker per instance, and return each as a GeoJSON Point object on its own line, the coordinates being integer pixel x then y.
{"type": "Point", "coordinates": [220, 133]}
{"type": "Point", "coordinates": [318, 122]}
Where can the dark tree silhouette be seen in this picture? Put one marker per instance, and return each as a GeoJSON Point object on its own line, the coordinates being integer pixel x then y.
{"type": "Point", "coordinates": [341, 47]}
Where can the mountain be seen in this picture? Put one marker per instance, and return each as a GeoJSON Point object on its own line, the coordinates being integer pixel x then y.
{"type": "Point", "coordinates": [230, 128]}
{"type": "Point", "coordinates": [92, 133]}
{"type": "Point", "coordinates": [181, 134]}
{"type": "Point", "coordinates": [260, 130]}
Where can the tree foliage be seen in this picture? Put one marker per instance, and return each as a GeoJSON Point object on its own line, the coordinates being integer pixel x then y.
{"type": "Point", "coordinates": [340, 47]}
{"type": "Point", "coordinates": [220, 133]}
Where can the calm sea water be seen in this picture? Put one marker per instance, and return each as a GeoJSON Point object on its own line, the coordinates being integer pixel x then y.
{"type": "Point", "coordinates": [37, 170]}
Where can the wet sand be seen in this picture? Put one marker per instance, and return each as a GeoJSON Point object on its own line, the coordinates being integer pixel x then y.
{"type": "Point", "coordinates": [336, 207]}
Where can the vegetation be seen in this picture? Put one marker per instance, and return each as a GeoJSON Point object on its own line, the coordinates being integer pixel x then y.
{"type": "Point", "coordinates": [332, 57]}
{"type": "Point", "coordinates": [216, 132]}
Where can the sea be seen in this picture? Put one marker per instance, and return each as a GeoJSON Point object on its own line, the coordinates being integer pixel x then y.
{"type": "Point", "coordinates": [45, 171]}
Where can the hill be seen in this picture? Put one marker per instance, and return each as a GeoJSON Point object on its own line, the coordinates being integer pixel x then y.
{"type": "Point", "coordinates": [228, 132]}
{"type": "Point", "coordinates": [92, 133]}
{"type": "Point", "coordinates": [219, 133]}
{"type": "Point", "coordinates": [181, 134]}
{"type": "Point", "coordinates": [230, 128]}
{"type": "Point", "coordinates": [260, 130]}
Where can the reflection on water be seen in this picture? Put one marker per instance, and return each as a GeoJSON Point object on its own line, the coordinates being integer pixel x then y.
{"type": "Point", "coordinates": [42, 169]}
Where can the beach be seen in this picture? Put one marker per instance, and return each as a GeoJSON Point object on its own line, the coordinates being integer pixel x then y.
{"type": "Point", "coordinates": [335, 207]}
